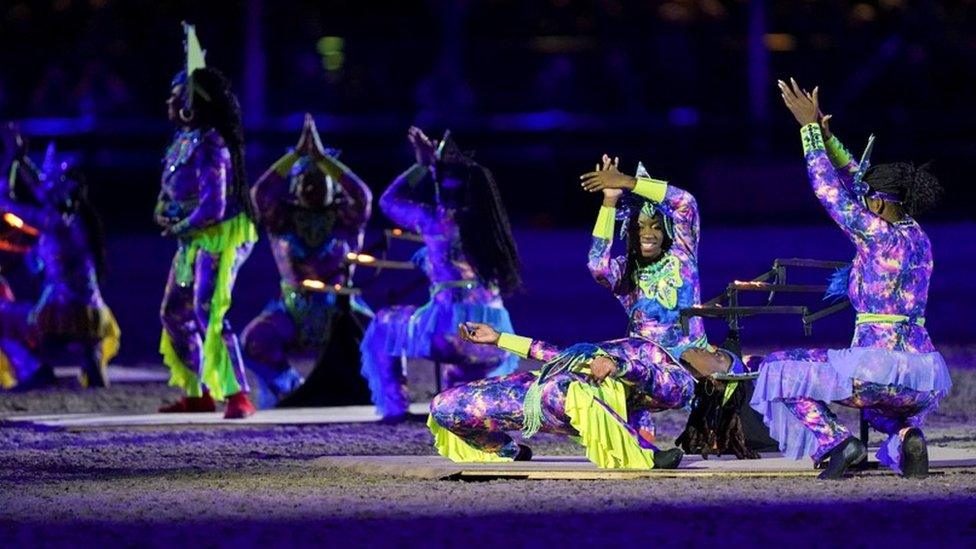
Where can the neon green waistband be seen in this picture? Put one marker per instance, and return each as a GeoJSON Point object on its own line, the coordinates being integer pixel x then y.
{"type": "Point", "coordinates": [880, 318]}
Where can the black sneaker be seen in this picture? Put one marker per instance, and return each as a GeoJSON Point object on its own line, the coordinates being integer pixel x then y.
{"type": "Point", "coordinates": [914, 455]}
{"type": "Point", "coordinates": [668, 459]}
{"type": "Point", "coordinates": [848, 453]}
{"type": "Point", "coordinates": [524, 453]}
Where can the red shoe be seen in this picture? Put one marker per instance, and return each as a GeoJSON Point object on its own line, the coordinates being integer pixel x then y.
{"type": "Point", "coordinates": [188, 405]}
{"type": "Point", "coordinates": [239, 406]}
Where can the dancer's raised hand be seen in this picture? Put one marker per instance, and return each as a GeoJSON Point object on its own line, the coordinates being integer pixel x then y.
{"type": "Point", "coordinates": [607, 177]}
{"type": "Point", "coordinates": [477, 332]}
{"type": "Point", "coordinates": [805, 107]}
{"type": "Point", "coordinates": [309, 143]}
{"type": "Point", "coordinates": [424, 148]}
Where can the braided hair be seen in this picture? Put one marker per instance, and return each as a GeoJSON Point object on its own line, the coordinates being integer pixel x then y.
{"type": "Point", "coordinates": [632, 234]}
{"type": "Point", "coordinates": [915, 187]}
{"type": "Point", "coordinates": [215, 106]}
{"type": "Point", "coordinates": [486, 235]}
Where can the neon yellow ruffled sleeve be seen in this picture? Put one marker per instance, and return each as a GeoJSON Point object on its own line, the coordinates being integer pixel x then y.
{"type": "Point", "coordinates": [651, 189]}
{"type": "Point", "coordinates": [284, 164]}
{"type": "Point", "coordinates": [515, 344]}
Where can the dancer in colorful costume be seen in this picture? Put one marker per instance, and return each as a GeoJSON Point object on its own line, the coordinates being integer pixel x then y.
{"type": "Point", "coordinates": [69, 256]}
{"type": "Point", "coordinates": [892, 371]}
{"type": "Point", "coordinates": [631, 377]}
{"type": "Point", "coordinates": [315, 210]}
{"type": "Point", "coordinates": [205, 204]}
{"type": "Point", "coordinates": [471, 260]}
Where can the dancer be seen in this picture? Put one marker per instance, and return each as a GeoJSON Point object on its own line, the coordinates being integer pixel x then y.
{"type": "Point", "coordinates": [205, 204]}
{"type": "Point", "coordinates": [69, 257]}
{"type": "Point", "coordinates": [633, 376]}
{"type": "Point", "coordinates": [892, 371]}
{"type": "Point", "coordinates": [315, 210]}
{"type": "Point", "coordinates": [471, 260]}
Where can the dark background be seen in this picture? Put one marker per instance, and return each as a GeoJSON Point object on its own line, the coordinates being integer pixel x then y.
{"type": "Point", "coordinates": [540, 89]}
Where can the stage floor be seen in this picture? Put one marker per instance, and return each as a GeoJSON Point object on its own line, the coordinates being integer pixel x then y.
{"type": "Point", "coordinates": [579, 468]}
{"type": "Point", "coordinates": [277, 416]}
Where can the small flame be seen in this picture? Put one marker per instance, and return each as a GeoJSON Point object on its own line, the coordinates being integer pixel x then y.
{"type": "Point", "coordinates": [397, 232]}
{"type": "Point", "coordinates": [313, 284]}
{"type": "Point", "coordinates": [337, 287]}
{"type": "Point", "coordinates": [366, 258]}
{"type": "Point", "coordinates": [13, 220]}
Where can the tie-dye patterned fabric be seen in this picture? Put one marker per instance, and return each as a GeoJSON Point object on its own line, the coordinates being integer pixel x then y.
{"type": "Point", "coordinates": [892, 370]}
{"type": "Point", "coordinates": [664, 287]}
{"type": "Point", "coordinates": [481, 412]}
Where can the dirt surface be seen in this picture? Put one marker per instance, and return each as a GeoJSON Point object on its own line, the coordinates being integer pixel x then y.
{"type": "Point", "coordinates": [240, 485]}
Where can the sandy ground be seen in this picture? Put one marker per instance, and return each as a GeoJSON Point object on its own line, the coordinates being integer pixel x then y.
{"type": "Point", "coordinates": [239, 485]}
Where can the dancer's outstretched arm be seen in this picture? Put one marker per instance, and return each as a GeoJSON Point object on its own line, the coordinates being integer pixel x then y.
{"type": "Point", "coordinates": [838, 199]}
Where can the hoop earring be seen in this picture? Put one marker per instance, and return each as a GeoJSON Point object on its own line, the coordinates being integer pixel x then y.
{"type": "Point", "coordinates": [186, 115]}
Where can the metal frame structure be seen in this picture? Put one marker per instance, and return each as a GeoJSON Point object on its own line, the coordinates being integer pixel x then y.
{"type": "Point", "coordinates": [772, 282]}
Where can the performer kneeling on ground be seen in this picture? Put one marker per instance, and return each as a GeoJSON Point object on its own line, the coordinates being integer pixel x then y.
{"type": "Point", "coordinates": [471, 260]}
{"type": "Point", "coordinates": [892, 370]}
{"type": "Point", "coordinates": [205, 205]}
{"type": "Point", "coordinates": [634, 376]}
{"type": "Point", "coordinates": [315, 210]}
{"type": "Point", "coordinates": [70, 257]}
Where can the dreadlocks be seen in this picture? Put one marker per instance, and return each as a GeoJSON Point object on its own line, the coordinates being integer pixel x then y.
{"type": "Point", "coordinates": [215, 106]}
{"type": "Point", "coordinates": [486, 235]}
{"type": "Point", "coordinates": [916, 188]}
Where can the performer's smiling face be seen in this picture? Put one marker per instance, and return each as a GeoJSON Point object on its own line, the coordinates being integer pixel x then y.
{"type": "Point", "coordinates": [651, 236]}
{"type": "Point", "coordinates": [173, 104]}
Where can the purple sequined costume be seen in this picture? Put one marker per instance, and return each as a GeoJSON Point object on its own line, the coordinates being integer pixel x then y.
{"type": "Point", "coordinates": [214, 238]}
{"type": "Point", "coordinates": [480, 412]}
{"type": "Point", "coordinates": [430, 331]}
{"type": "Point", "coordinates": [892, 369]}
{"type": "Point", "coordinates": [308, 244]}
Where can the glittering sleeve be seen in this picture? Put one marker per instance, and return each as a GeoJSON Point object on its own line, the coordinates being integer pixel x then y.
{"type": "Point", "coordinates": [212, 162]}
{"type": "Point", "coordinates": [839, 201]}
{"type": "Point", "coordinates": [269, 192]}
{"type": "Point", "coordinates": [398, 204]}
{"type": "Point", "coordinates": [605, 269]}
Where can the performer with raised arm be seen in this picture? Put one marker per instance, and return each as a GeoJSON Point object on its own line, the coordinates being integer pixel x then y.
{"type": "Point", "coordinates": [891, 371]}
{"type": "Point", "coordinates": [604, 393]}
{"type": "Point", "coordinates": [314, 209]}
{"type": "Point", "coordinates": [471, 260]}
{"type": "Point", "coordinates": [205, 205]}
{"type": "Point", "coordinates": [69, 255]}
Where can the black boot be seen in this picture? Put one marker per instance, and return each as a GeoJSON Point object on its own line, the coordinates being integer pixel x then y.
{"type": "Point", "coordinates": [848, 453]}
{"type": "Point", "coordinates": [668, 459]}
{"type": "Point", "coordinates": [914, 455]}
{"type": "Point", "coordinates": [524, 453]}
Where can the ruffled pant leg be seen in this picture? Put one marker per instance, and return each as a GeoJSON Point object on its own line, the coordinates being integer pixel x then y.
{"type": "Point", "coordinates": [816, 416]}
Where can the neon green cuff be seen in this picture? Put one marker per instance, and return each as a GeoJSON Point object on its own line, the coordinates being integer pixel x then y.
{"type": "Point", "coordinates": [604, 223]}
{"type": "Point", "coordinates": [651, 189]}
{"type": "Point", "coordinates": [515, 344]}
{"type": "Point", "coordinates": [284, 164]}
{"type": "Point", "coordinates": [812, 138]}
{"type": "Point", "coordinates": [839, 155]}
